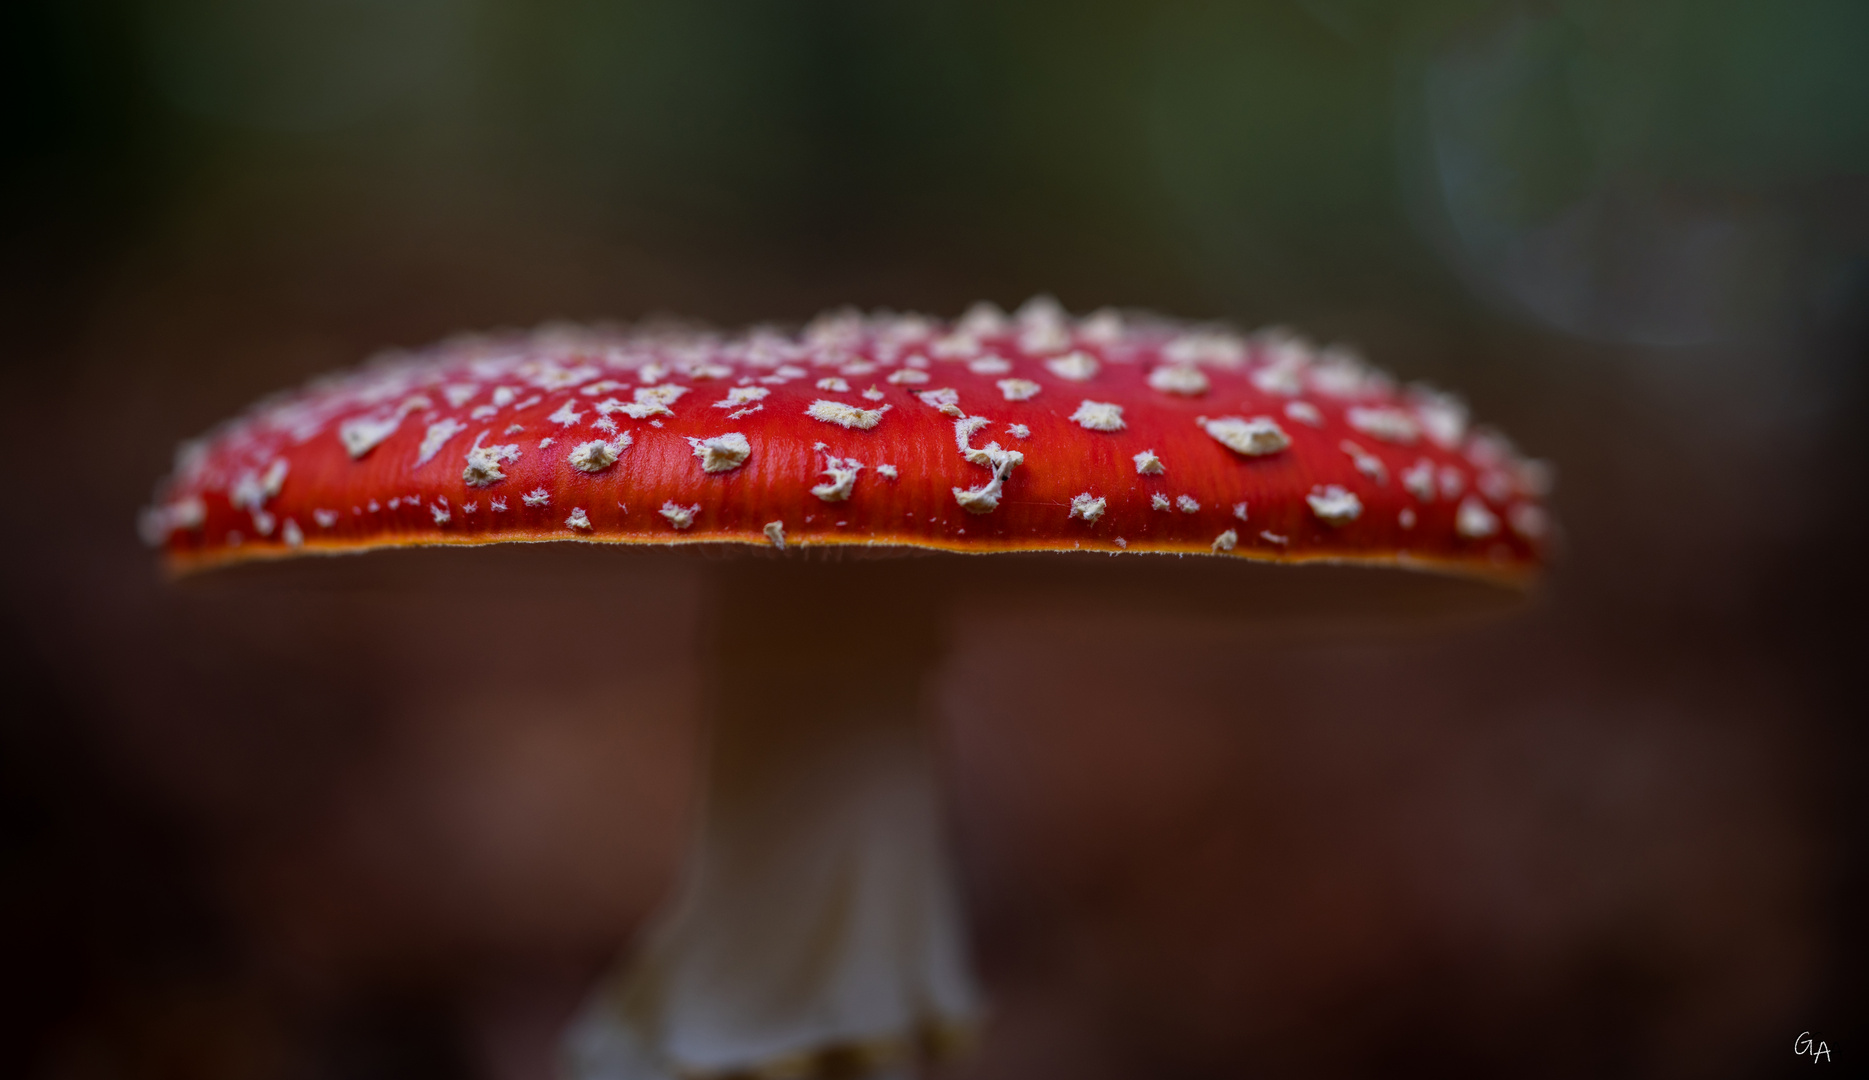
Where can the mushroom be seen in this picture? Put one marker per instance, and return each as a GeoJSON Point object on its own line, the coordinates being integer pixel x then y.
{"type": "Point", "coordinates": [816, 928]}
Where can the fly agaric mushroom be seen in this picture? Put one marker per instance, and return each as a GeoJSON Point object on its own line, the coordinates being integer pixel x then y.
{"type": "Point", "coordinates": [816, 928]}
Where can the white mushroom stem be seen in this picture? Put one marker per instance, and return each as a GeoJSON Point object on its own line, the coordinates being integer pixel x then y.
{"type": "Point", "coordinates": [816, 930]}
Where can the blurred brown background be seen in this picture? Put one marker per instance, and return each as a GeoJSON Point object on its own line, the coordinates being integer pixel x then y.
{"type": "Point", "coordinates": [388, 819]}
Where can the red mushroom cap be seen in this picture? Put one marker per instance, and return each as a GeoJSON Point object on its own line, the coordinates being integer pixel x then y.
{"type": "Point", "coordinates": [1037, 432]}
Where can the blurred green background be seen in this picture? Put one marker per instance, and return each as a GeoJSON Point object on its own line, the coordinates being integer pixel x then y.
{"type": "Point", "coordinates": [1661, 173]}
{"type": "Point", "coordinates": [1635, 234]}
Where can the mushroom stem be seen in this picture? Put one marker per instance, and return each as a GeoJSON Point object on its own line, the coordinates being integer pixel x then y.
{"type": "Point", "coordinates": [816, 930]}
